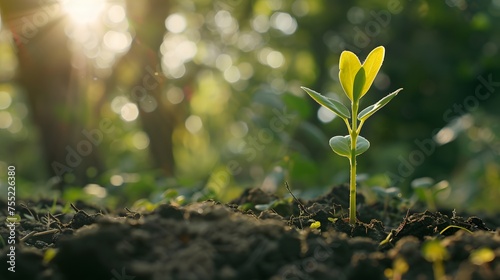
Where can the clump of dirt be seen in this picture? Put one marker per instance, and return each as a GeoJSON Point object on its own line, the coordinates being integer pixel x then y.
{"type": "Point", "coordinates": [257, 236]}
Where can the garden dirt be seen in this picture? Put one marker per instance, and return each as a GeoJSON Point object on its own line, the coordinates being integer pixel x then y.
{"type": "Point", "coordinates": [257, 236]}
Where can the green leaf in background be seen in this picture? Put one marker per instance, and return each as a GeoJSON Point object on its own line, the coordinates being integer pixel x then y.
{"type": "Point", "coordinates": [370, 110]}
{"type": "Point", "coordinates": [333, 105]}
{"type": "Point", "coordinates": [295, 103]}
{"type": "Point", "coordinates": [349, 66]}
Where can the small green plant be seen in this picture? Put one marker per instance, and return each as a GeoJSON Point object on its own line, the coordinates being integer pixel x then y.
{"type": "Point", "coordinates": [435, 252]}
{"type": "Point", "coordinates": [399, 267]}
{"type": "Point", "coordinates": [427, 190]}
{"type": "Point", "coordinates": [356, 79]}
{"type": "Point", "coordinates": [386, 195]}
{"type": "Point", "coordinates": [482, 256]}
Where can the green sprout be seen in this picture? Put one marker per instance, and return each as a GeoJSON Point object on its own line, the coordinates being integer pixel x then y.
{"type": "Point", "coordinates": [426, 190]}
{"type": "Point", "coordinates": [399, 267]}
{"type": "Point", "coordinates": [482, 256]}
{"type": "Point", "coordinates": [434, 251]}
{"type": "Point", "coordinates": [386, 195]}
{"type": "Point", "coordinates": [356, 79]}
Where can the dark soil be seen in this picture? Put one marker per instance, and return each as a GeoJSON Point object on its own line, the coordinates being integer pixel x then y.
{"type": "Point", "coordinates": [209, 240]}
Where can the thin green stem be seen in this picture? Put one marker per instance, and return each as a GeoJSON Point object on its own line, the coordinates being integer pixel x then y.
{"type": "Point", "coordinates": [438, 268]}
{"type": "Point", "coordinates": [347, 124]}
{"type": "Point", "coordinates": [352, 188]}
{"type": "Point", "coordinates": [359, 127]}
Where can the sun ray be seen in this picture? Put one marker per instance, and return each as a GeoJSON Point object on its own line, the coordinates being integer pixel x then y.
{"type": "Point", "coordinates": [83, 11]}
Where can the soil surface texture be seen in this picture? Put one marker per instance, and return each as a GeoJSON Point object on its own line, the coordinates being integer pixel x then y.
{"type": "Point", "coordinates": [257, 236]}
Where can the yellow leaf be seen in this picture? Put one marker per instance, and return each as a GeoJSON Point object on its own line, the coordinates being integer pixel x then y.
{"type": "Point", "coordinates": [371, 66]}
{"type": "Point", "coordinates": [315, 225]}
{"type": "Point", "coordinates": [349, 66]}
{"type": "Point", "coordinates": [49, 255]}
{"type": "Point", "coordinates": [481, 256]}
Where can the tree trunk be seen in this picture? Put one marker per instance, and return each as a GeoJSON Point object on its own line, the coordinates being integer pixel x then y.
{"type": "Point", "coordinates": [57, 106]}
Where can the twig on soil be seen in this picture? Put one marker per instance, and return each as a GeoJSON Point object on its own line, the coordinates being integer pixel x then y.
{"type": "Point", "coordinates": [34, 233]}
{"type": "Point", "coordinates": [35, 216]}
{"type": "Point", "coordinates": [301, 206]}
{"type": "Point", "coordinates": [27, 236]}
{"type": "Point", "coordinates": [74, 207]}
{"type": "Point", "coordinates": [134, 215]}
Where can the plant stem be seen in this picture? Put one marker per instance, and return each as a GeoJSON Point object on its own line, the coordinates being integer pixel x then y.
{"type": "Point", "coordinates": [438, 270]}
{"type": "Point", "coordinates": [352, 161]}
{"type": "Point", "coordinates": [352, 191]}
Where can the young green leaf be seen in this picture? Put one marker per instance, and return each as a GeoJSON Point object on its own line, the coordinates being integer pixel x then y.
{"type": "Point", "coordinates": [362, 145]}
{"type": "Point", "coordinates": [349, 66]}
{"type": "Point", "coordinates": [331, 104]}
{"type": "Point", "coordinates": [341, 145]}
{"type": "Point", "coordinates": [370, 110]}
{"type": "Point", "coordinates": [372, 65]}
{"type": "Point", "coordinates": [359, 82]}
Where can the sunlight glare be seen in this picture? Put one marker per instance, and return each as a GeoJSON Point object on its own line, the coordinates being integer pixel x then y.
{"type": "Point", "coordinates": [83, 11]}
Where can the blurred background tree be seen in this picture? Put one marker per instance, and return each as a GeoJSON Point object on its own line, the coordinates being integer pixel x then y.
{"type": "Point", "coordinates": [212, 90]}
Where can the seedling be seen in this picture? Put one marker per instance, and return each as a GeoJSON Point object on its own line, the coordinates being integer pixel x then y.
{"type": "Point", "coordinates": [355, 79]}
{"type": "Point", "coordinates": [426, 190]}
{"type": "Point", "coordinates": [482, 256]}
{"type": "Point", "coordinates": [386, 195]}
{"type": "Point", "coordinates": [433, 251]}
{"type": "Point", "coordinates": [399, 267]}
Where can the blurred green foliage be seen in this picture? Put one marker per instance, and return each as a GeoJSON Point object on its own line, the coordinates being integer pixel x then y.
{"type": "Point", "coordinates": [237, 65]}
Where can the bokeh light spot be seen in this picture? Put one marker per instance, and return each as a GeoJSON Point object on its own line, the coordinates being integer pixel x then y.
{"type": "Point", "coordinates": [445, 136]}
{"type": "Point", "coordinates": [129, 112]}
{"type": "Point", "coordinates": [5, 120]}
{"type": "Point", "coordinates": [300, 8]}
{"type": "Point", "coordinates": [176, 23]}
{"type": "Point", "coordinates": [16, 126]}
{"type": "Point", "coordinates": [246, 70]}
{"type": "Point", "coordinates": [117, 41]}
{"type": "Point", "coordinates": [284, 22]}
{"type": "Point", "coordinates": [232, 74]}
{"type": "Point", "coordinates": [275, 59]}
{"type": "Point", "coordinates": [175, 95]}
{"type": "Point", "coordinates": [118, 102]}
{"type": "Point", "coordinates": [260, 23]}
{"type": "Point", "coordinates": [325, 115]}
{"type": "Point", "coordinates": [140, 140]}
{"type": "Point", "coordinates": [223, 62]}
{"type": "Point", "coordinates": [116, 180]}
{"type": "Point", "coordinates": [238, 129]}
{"type": "Point", "coordinates": [5, 100]}
{"type": "Point", "coordinates": [83, 11]}
{"type": "Point", "coordinates": [148, 104]}
{"type": "Point", "coordinates": [355, 15]}
{"type": "Point", "coordinates": [193, 124]}
{"type": "Point", "coordinates": [95, 190]}
{"type": "Point", "coordinates": [116, 14]}
{"type": "Point", "coordinates": [223, 19]}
